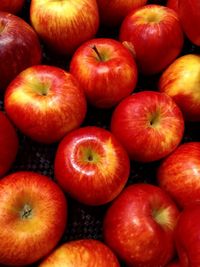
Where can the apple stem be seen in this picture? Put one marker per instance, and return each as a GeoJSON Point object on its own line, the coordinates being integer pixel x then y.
{"type": "Point", "coordinates": [97, 52]}
{"type": "Point", "coordinates": [26, 212]}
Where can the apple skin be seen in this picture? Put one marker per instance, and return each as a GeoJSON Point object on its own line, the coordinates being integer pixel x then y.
{"type": "Point", "coordinates": [187, 236]}
{"type": "Point", "coordinates": [20, 47]}
{"type": "Point", "coordinates": [150, 30]}
{"type": "Point", "coordinates": [107, 75]}
{"type": "Point", "coordinates": [139, 226]}
{"type": "Point", "coordinates": [173, 4]}
{"type": "Point", "coordinates": [189, 13]}
{"type": "Point", "coordinates": [32, 220]}
{"type": "Point", "coordinates": [179, 174]}
{"type": "Point", "coordinates": [148, 124]}
{"type": "Point", "coordinates": [9, 144]}
{"type": "Point", "coordinates": [11, 6]}
{"type": "Point", "coordinates": [81, 253]}
{"type": "Point", "coordinates": [91, 165]}
{"type": "Point", "coordinates": [180, 81]}
{"type": "Point", "coordinates": [112, 13]}
{"type": "Point", "coordinates": [45, 102]}
{"type": "Point", "coordinates": [64, 25]}
{"type": "Point", "coordinates": [173, 264]}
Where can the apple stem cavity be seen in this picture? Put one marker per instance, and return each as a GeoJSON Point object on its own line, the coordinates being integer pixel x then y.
{"type": "Point", "coordinates": [97, 53]}
{"type": "Point", "coordinates": [26, 212]}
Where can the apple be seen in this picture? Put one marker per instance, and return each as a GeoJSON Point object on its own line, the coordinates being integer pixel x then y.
{"type": "Point", "coordinates": [173, 4]}
{"type": "Point", "coordinates": [81, 253]}
{"type": "Point", "coordinates": [148, 124]}
{"type": "Point", "coordinates": [11, 6]}
{"type": "Point", "coordinates": [173, 264]}
{"type": "Point", "coordinates": [139, 226]}
{"type": "Point", "coordinates": [33, 215]}
{"type": "Point", "coordinates": [45, 102]}
{"type": "Point", "coordinates": [64, 25]}
{"type": "Point", "coordinates": [187, 236]}
{"type": "Point", "coordinates": [91, 165]}
{"type": "Point", "coordinates": [9, 144]}
{"type": "Point", "coordinates": [179, 174]}
{"type": "Point", "coordinates": [155, 33]}
{"type": "Point", "coordinates": [181, 81]}
{"type": "Point", "coordinates": [112, 13]}
{"type": "Point", "coordinates": [189, 13]}
{"type": "Point", "coordinates": [20, 47]}
{"type": "Point", "coordinates": [106, 71]}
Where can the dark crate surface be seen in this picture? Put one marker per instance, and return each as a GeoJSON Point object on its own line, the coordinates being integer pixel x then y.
{"type": "Point", "coordinates": [85, 221]}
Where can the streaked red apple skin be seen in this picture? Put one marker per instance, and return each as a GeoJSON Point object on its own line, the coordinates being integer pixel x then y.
{"type": "Point", "coordinates": [173, 4]}
{"type": "Point", "coordinates": [179, 174]}
{"type": "Point", "coordinates": [9, 144]}
{"type": "Point", "coordinates": [113, 12]}
{"type": "Point", "coordinates": [132, 230]}
{"type": "Point", "coordinates": [180, 81]}
{"type": "Point", "coordinates": [187, 236]}
{"type": "Point", "coordinates": [174, 264]}
{"type": "Point", "coordinates": [91, 165]}
{"type": "Point", "coordinates": [25, 240]}
{"type": "Point", "coordinates": [45, 102]}
{"type": "Point", "coordinates": [148, 124]}
{"type": "Point", "coordinates": [81, 253]}
{"type": "Point", "coordinates": [189, 13]}
{"type": "Point", "coordinates": [64, 25]}
{"type": "Point", "coordinates": [108, 80]}
{"type": "Point", "coordinates": [11, 6]}
{"type": "Point", "coordinates": [151, 30]}
{"type": "Point", "coordinates": [20, 47]}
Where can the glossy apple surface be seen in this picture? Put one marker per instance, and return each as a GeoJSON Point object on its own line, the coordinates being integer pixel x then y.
{"type": "Point", "coordinates": [20, 47]}
{"type": "Point", "coordinates": [64, 25]}
{"type": "Point", "coordinates": [45, 102]}
{"type": "Point", "coordinates": [105, 70]}
{"type": "Point", "coordinates": [187, 236]}
{"type": "Point", "coordinates": [91, 165]}
{"type": "Point", "coordinates": [179, 174]}
{"type": "Point", "coordinates": [173, 264]}
{"type": "Point", "coordinates": [189, 13]}
{"type": "Point", "coordinates": [151, 30]}
{"type": "Point", "coordinates": [81, 253]}
{"type": "Point", "coordinates": [113, 12]}
{"type": "Point", "coordinates": [148, 124]}
{"type": "Point", "coordinates": [9, 144]}
{"type": "Point", "coordinates": [11, 6]}
{"type": "Point", "coordinates": [33, 214]}
{"type": "Point", "coordinates": [139, 226]}
{"type": "Point", "coordinates": [181, 81]}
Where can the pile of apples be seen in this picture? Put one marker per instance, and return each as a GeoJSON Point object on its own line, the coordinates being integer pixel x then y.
{"type": "Point", "coordinates": [110, 49]}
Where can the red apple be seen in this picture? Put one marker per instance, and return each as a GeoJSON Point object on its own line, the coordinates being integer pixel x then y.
{"type": "Point", "coordinates": [45, 102]}
{"type": "Point", "coordinates": [155, 34]}
{"type": "Point", "coordinates": [91, 165]}
{"type": "Point", "coordinates": [106, 71]}
{"type": "Point", "coordinates": [181, 81]}
{"type": "Point", "coordinates": [11, 6]}
{"type": "Point", "coordinates": [8, 144]}
{"type": "Point", "coordinates": [64, 25]}
{"type": "Point", "coordinates": [148, 124]}
{"type": "Point", "coordinates": [173, 264]}
{"type": "Point", "coordinates": [139, 226]}
{"type": "Point", "coordinates": [33, 213]}
{"type": "Point", "coordinates": [189, 13]}
{"type": "Point", "coordinates": [20, 47]}
{"type": "Point", "coordinates": [173, 4]}
{"type": "Point", "coordinates": [113, 12]}
{"type": "Point", "coordinates": [81, 253]}
{"type": "Point", "coordinates": [187, 236]}
{"type": "Point", "coordinates": [179, 174]}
